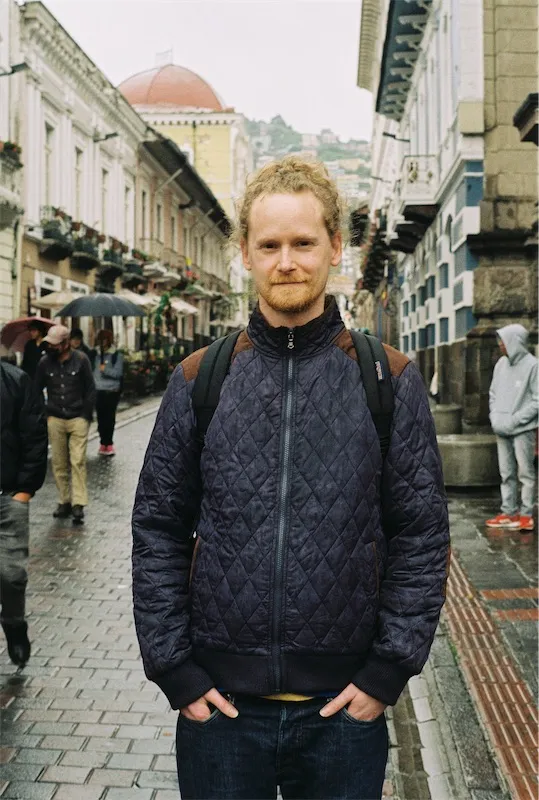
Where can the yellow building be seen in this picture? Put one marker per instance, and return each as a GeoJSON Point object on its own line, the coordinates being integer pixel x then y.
{"type": "Point", "coordinates": [183, 107]}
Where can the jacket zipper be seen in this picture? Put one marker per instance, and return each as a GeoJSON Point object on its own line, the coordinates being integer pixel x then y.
{"type": "Point", "coordinates": [284, 494]}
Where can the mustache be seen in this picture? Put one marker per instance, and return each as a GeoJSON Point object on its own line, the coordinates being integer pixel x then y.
{"type": "Point", "coordinates": [274, 282]}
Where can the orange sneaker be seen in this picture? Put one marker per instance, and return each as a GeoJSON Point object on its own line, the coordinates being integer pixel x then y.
{"type": "Point", "coordinates": [526, 523]}
{"type": "Point", "coordinates": [504, 521]}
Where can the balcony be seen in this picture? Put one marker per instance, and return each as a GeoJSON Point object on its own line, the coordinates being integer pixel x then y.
{"type": "Point", "coordinates": [57, 240]}
{"type": "Point", "coordinates": [10, 189]}
{"type": "Point", "coordinates": [85, 254]}
{"type": "Point", "coordinates": [153, 247]}
{"type": "Point", "coordinates": [173, 259]}
{"type": "Point", "coordinates": [418, 187]}
{"type": "Point", "coordinates": [112, 264]}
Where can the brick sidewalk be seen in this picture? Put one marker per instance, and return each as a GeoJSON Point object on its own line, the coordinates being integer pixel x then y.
{"type": "Point", "coordinates": [492, 586]}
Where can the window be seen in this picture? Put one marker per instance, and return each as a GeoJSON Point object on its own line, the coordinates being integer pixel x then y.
{"type": "Point", "coordinates": [431, 335]}
{"type": "Point", "coordinates": [104, 198]}
{"type": "Point", "coordinates": [405, 343]}
{"type": "Point", "coordinates": [78, 183]}
{"type": "Point", "coordinates": [422, 295]}
{"type": "Point", "coordinates": [159, 222]}
{"type": "Point", "coordinates": [405, 308]}
{"type": "Point", "coordinates": [458, 293]}
{"type": "Point", "coordinates": [413, 341]}
{"type": "Point", "coordinates": [127, 214]}
{"type": "Point", "coordinates": [444, 330]}
{"type": "Point", "coordinates": [413, 302]}
{"type": "Point", "coordinates": [173, 242]}
{"type": "Point", "coordinates": [185, 236]}
{"type": "Point", "coordinates": [444, 276]}
{"type": "Point", "coordinates": [431, 287]}
{"type": "Point", "coordinates": [144, 209]}
{"type": "Point", "coordinates": [464, 321]}
{"type": "Point", "coordinates": [422, 337]}
{"type": "Point", "coordinates": [48, 165]}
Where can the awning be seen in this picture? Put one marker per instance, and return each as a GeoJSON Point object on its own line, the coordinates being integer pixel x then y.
{"type": "Point", "coordinates": [169, 277]}
{"type": "Point", "coordinates": [142, 300]}
{"type": "Point", "coordinates": [55, 299]}
{"type": "Point", "coordinates": [154, 270]}
{"type": "Point", "coordinates": [182, 307]}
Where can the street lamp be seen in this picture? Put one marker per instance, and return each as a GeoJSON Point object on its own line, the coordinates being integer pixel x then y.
{"type": "Point", "coordinates": [97, 138]}
{"type": "Point", "coordinates": [14, 68]}
{"type": "Point", "coordinates": [393, 136]}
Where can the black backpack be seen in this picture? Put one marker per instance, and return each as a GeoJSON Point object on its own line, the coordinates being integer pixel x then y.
{"type": "Point", "coordinates": [372, 361]}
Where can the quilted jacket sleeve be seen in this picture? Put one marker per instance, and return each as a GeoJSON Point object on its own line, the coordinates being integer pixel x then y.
{"type": "Point", "coordinates": [167, 505]}
{"type": "Point", "coordinates": [416, 524]}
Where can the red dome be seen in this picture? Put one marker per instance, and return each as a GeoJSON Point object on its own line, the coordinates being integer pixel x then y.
{"type": "Point", "coordinates": [170, 86]}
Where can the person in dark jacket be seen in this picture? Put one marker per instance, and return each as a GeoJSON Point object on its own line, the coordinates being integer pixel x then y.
{"type": "Point", "coordinates": [108, 369]}
{"type": "Point", "coordinates": [23, 465]}
{"type": "Point", "coordinates": [313, 588]}
{"type": "Point", "coordinates": [66, 374]}
{"type": "Point", "coordinates": [76, 337]}
{"type": "Point", "coordinates": [35, 348]}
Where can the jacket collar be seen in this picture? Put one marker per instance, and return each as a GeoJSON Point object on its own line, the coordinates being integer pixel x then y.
{"type": "Point", "coordinates": [307, 339]}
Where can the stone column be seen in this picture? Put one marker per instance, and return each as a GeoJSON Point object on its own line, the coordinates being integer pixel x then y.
{"type": "Point", "coordinates": [505, 281]}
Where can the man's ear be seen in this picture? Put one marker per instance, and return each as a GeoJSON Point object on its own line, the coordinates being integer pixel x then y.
{"type": "Point", "coordinates": [245, 254]}
{"type": "Point", "coordinates": [336, 246]}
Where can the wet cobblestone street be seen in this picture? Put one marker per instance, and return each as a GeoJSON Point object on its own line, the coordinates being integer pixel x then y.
{"type": "Point", "coordinates": [81, 722]}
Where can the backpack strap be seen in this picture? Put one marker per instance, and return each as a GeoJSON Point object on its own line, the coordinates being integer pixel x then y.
{"type": "Point", "coordinates": [209, 380]}
{"type": "Point", "coordinates": [374, 365]}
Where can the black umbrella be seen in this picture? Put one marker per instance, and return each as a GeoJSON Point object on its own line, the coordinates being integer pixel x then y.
{"type": "Point", "coordinates": [101, 305]}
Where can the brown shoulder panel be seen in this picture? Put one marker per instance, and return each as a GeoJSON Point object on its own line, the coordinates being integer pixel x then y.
{"type": "Point", "coordinates": [243, 343]}
{"type": "Point", "coordinates": [397, 360]}
{"type": "Point", "coordinates": [191, 364]}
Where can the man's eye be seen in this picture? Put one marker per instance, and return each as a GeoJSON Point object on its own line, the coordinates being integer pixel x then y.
{"type": "Point", "coordinates": [269, 246]}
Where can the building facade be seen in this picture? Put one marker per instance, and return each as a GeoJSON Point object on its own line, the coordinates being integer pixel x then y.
{"type": "Point", "coordinates": [11, 157]}
{"type": "Point", "coordinates": [454, 189]}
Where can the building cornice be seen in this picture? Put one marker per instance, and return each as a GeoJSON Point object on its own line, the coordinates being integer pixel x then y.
{"type": "Point", "coordinates": [368, 37]}
{"type": "Point", "coordinates": [156, 115]}
{"type": "Point", "coordinates": [42, 31]}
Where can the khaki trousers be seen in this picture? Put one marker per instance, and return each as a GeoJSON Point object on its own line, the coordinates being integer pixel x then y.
{"type": "Point", "coordinates": [68, 439]}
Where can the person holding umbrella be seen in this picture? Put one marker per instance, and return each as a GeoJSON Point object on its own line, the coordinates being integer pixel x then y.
{"type": "Point", "coordinates": [35, 348]}
{"type": "Point", "coordinates": [66, 374]}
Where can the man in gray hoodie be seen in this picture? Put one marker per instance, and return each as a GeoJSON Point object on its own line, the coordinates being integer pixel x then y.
{"type": "Point", "coordinates": [514, 416]}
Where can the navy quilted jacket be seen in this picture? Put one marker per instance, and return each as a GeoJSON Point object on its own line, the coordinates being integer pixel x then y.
{"type": "Point", "coordinates": [314, 566]}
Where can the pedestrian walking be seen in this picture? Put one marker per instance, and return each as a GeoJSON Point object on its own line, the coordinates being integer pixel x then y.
{"type": "Point", "coordinates": [514, 416]}
{"type": "Point", "coordinates": [312, 590]}
{"type": "Point", "coordinates": [108, 370]}
{"type": "Point", "coordinates": [35, 348]}
{"type": "Point", "coordinates": [76, 337]}
{"type": "Point", "coordinates": [66, 374]}
{"type": "Point", "coordinates": [23, 460]}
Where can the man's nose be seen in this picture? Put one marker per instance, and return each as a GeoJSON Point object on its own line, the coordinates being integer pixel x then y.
{"type": "Point", "coordinates": [285, 261]}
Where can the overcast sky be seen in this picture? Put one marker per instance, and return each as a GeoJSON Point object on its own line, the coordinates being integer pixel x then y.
{"type": "Point", "coordinates": [296, 58]}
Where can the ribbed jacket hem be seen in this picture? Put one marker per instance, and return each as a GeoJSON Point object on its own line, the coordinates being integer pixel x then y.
{"type": "Point", "coordinates": [382, 679]}
{"type": "Point", "coordinates": [184, 684]}
{"type": "Point", "coordinates": [300, 674]}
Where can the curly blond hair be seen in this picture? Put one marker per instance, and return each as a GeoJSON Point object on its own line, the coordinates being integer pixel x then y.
{"type": "Point", "coordinates": [290, 175]}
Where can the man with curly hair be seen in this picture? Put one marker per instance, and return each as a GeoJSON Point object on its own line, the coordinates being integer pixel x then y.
{"type": "Point", "coordinates": [312, 590]}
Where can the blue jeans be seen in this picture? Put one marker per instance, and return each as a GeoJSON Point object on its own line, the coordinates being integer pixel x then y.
{"type": "Point", "coordinates": [285, 744]}
{"type": "Point", "coordinates": [515, 459]}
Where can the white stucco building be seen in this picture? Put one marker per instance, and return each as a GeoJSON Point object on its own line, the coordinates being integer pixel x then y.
{"type": "Point", "coordinates": [10, 159]}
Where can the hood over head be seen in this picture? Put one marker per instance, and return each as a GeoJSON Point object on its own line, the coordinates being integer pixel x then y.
{"type": "Point", "coordinates": [515, 339]}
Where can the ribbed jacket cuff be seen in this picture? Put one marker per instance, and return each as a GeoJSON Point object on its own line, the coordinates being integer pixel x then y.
{"type": "Point", "coordinates": [383, 680]}
{"type": "Point", "coordinates": [184, 684]}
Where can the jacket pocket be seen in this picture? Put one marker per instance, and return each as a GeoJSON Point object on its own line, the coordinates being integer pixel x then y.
{"type": "Point", "coordinates": [193, 559]}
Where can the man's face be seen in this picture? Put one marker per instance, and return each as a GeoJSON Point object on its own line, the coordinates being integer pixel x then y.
{"type": "Point", "coordinates": [289, 251]}
{"type": "Point", "coordinates": [75, 342]}
{"type": "Point", "coordinates": [503, 348]}
{"type": "Point", "coordinates": [34, 333]}
{"type": "Point", "coordinates": [57, 350]}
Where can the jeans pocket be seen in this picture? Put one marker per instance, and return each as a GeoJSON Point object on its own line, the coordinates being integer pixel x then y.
{"type": "Point", "coordinates": [363, 722]}
{"type": "Point", "coordinates": [201, 723]}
